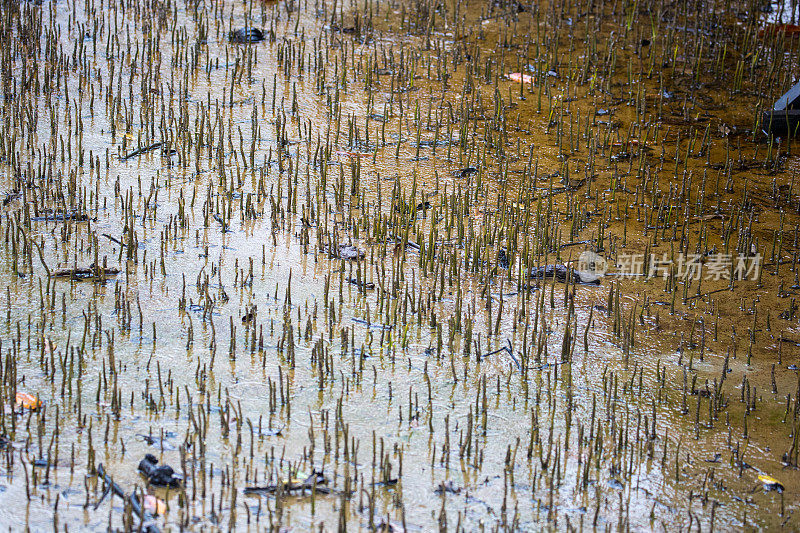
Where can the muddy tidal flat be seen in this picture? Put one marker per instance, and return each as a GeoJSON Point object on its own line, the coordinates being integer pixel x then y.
{"type": "Point", "coordinates": [398, 266]}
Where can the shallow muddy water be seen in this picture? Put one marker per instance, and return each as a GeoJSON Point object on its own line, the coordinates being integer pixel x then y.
{"type": "Point", "coordinates": [310, 258]}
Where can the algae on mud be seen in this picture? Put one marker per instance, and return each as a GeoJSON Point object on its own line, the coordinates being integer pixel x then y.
{"type": "Point", "coordinates": [325, 240]}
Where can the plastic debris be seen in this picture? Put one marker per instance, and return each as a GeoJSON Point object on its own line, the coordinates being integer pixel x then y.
{"type": "Point", "coordinates": [154, 505]}
{"type": "Point", "coordinates": [770, 483]}
{"type": "Point", "coordinates": [520, 77]}
{"type": "Point", "coordinates": [784, 118]}
{"type": "Point", "coordinates": [158, 475]}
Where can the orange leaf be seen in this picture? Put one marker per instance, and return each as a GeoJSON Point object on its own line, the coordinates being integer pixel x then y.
{"type": "Point", "coordinates": [520, 78]}
{"type": "Point", "coordinates": [28, 401]}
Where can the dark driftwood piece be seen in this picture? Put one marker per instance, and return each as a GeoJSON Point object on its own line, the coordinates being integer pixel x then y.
{"type": "Point", "coordinates": [57, 216]}
{"type": "Point", "coordinates": [91, 271]}
{"type": "Point", "coordinates": [561, 273]}
{"type": "Point", "coordinates": [142, 150]}
{"type": "Point", "coordinates": [144, 516]}
{"type": "Point", "coordinates": [315, 481]}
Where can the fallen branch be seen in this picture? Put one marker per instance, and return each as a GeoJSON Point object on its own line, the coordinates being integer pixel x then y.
{"type": "Point", "coordinates": [574, 243]}
{"type": "Point", "coordinates": [114, 239]}
{"type": "Point", "coordinates": [143, 150]}
{"type": "Point", "coordinates": [315, 482]}
{"type": "Point", "coordinates": [144, 516]}
{"type": "Point", "coordinates": [707, 293]}
{"type": "Point", "coordinates": [79, 273]}
{"type": "Point", "coordinates": [505, 349]}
